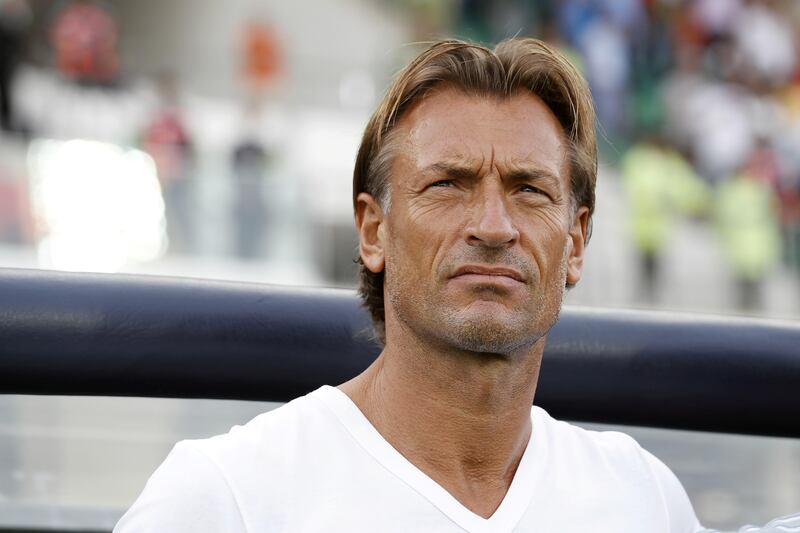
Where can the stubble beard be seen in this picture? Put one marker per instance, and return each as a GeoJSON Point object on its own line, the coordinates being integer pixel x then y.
{"type": "Point", "coordinates": [489, 333]}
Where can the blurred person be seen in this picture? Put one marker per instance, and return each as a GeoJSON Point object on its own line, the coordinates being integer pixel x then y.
{"type": "Point", "coordinates": [474, 19]}
{"type": "Point", "coordinates": [15, 19]}
{"type": "Point", "coordinates": [717, 125]}
{"type": "Point", "coordinates": [687, 32]}
{"type": "Point", "coordinates": [574, 17]}
{"type": "Point", "coordinates": [473, 192]}
{"type": "Point", "coordinates": [262, 60]}
{"type": "Point", "coordinates": [789, 196]}
{"type": "Point", "coordinates": [765, 44]}
{"type": "Point", "coordinates": [787, 148]}
{"type": "Point", "coordinates": [488, 20]}
{"type": "Point", "coordinates": [249, 163]}
{"type": "Point", "coordinates": [168, 142]}
{"type": "Point", "coordinates": [15, 223]}
{"type": "Point", "coordinates": [717, 18]}
{"type": "Point", "coordinates": [679, 85]}
{"type": "Point", "coordinates": [651, 59]}
{"type": "Point", "coordinates": [790, 223]}
{"type": "Point", "coordinates": [763, 164]}
{"type": "Point", "coordinates": [262, 65]}
{"type": "Point", "coordinates": [709, 118]}
{"type": "Point", "coordinates": [646, 183]}
{"type": "Point", "coordinates": [747, 222]}
{"type": "Point", "coordinates": [627, 15]}
{"type": "Point", "coordinates": [606, 54]}
{"type": "Point", "coordinates": [658, 182]}
{"type": "Point", "coordinates": [84, 37]}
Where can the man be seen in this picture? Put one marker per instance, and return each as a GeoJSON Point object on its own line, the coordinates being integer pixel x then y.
{"type": "Point", "coordinates": [473, 192]}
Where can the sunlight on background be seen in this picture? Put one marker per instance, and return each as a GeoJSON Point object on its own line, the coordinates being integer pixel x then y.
{"type": "Point", "coordinates": [97, 206]}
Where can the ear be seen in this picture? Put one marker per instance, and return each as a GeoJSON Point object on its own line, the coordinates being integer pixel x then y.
{"type": "Point", "coordinates": [369, 224]}
{"type": "Point", "coordinates": [577, 238]}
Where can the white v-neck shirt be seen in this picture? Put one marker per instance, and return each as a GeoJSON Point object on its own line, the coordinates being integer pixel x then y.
{"type": "Point", "coordinates": [317, 464]}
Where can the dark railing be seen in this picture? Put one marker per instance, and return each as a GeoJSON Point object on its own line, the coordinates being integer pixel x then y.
{"type": "Point", "coordinates": [88, 334]}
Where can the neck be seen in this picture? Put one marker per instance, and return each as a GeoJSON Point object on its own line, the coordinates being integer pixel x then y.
{"type": "Point", "coordinates": [463, 418]}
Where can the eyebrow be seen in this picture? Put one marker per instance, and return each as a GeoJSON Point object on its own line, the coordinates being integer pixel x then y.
{"type": "Point", "coordinates": [465, 170]}
{"type": "Point", "coordinates": [532, 174]}
{"type": "Point", "coordinates": [453, 170]}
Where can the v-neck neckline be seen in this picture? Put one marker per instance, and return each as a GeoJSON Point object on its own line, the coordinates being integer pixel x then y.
{"type": "Point", "coordinates": [508, 513]}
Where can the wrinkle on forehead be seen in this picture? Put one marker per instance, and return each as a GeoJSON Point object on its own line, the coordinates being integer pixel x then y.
{"type": "Point", "coordinates": [452, 125]}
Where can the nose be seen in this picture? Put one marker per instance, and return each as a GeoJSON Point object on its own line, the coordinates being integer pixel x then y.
{"type": "Point", "coordinates": [491, 224]}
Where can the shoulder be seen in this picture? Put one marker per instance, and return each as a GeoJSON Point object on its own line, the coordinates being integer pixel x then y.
{"type": "Point", "coordinates": [187, 493]}
{"type": "Point", "coordinates": [608, 455]}
{"type": "Point", "coordinates": [570, 438]}
{"type": "Point", "coordinates": [203, 485]}
{"type": "Point", "coordinates": [615, 461]}
{"type": "Point", "coordinates": [270, 445]}
{"type": "Point", "coordinates": [268, 429]}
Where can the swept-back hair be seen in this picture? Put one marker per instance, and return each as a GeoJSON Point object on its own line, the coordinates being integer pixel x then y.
{"type": "Point", "coordinates": [513, 65]}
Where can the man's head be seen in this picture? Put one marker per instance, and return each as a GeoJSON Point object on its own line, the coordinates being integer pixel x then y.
{"type": "Point", "coordinates": [473, 190]}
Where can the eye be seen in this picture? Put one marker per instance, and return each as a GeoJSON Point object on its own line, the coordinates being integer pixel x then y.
{"type": "Point", "coordinates": [442, 183]}
{"type": "Point", "coordinates": [534, 193]}
{"type": "Point", "coordinates": [531, 188]}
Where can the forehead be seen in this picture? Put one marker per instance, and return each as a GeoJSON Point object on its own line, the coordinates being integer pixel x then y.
{"type": "Point", "coordinates": [449, 124]}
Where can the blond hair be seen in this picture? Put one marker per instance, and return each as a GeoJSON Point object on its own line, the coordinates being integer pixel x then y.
{"type": "Point", "coordinates": [513, 65]}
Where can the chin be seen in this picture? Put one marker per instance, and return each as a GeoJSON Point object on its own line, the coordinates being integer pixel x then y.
{"type": "Point", "coordinates": [491, 327]}
{"type": "Point", "coordinates": [489, 333]}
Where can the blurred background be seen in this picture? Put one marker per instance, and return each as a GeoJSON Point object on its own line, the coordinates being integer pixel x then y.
{"type": "Point", "coordinates": [216, 140]}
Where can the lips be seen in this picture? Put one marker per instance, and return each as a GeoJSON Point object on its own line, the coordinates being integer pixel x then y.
{"type": "Point", "coordinates": [489, 271]}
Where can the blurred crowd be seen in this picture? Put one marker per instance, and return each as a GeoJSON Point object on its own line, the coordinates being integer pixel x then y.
{"type": "Point", "coordinates": [62, 78]}
{"type": "Point", "coordinates": [698, 108]}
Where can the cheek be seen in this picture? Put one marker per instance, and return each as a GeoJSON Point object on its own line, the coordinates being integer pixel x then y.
{"type": "Point", "coordinates": [429, 208]}
{"type": "Point", "coordinates": [546, 236]}
{"type": "Point", "coordinates": [416, 248]}
{"type": "Point", "coordinates": [551, 221]}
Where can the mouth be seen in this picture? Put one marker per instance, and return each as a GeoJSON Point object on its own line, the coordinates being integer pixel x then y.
{"type": "Point", "coordinates": [488, 273]}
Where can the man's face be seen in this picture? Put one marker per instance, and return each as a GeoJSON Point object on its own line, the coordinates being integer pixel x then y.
{"type": "Point", "coordinates": [481, 236]}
